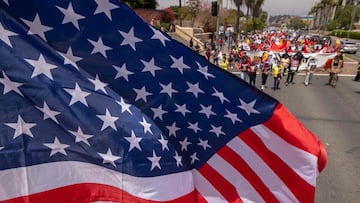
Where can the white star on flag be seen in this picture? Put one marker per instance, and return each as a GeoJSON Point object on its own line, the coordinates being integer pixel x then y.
{"type": "Point", "coordinates": [141, 94]}
{"type": "Point", "coordinates": [168, 89]}
{"type": "Point", "coordinates": [232, 116]}
{"type": "Point", "coordinates": [220, 95]}
{"type": "Point", "coordinates": [124, 106]}
{"type": "Point", "coordinates": [158, 112]}
{"type": "Point", "coordinates": [122, 72]}
{"type": "Point", "coordinates": [80, 136]}
{"type": "Point", "coordinates": [109, 158]}
{"type": "Point", "coordinates": [146, 125]}
{"type": "Point", "coordinates": [164, 143]}
{"type": "Point", "coordinates": [99, 46]}
{"type": "Point", "coordinates": [70, 16]}
{"type": "Point", "coordinates": [158, 35]}
{"type": "Point", "coordinates": [104, 7]}
{"type": "Point", "coordinates": [178, 159]}
{"type": "Point", "coordinates": [248, 107]}
{"type": "Point", "coordinates": [99, 85]}
{"type": "Point", "coordinates": [48, 113]}
{"type": "Point", "coordinates": [9, 85]}
{"type": "Point", "coordinates": [130, 39]}
{"type": "Point", "coordinates": [204, 143]}
{"type": "Point", "coordinates": [108, 120]}
{"type": "Point", "coordinates": [172, 129]}
{"type": "Point", "coordinates": [184, 144]}
{"type": "Point", "coordinates": [70, 58]}
{"type": "Point", "coordinates": [57, 147]}
{"type": "Point", "coordinates": [204, 71]}
{"type": "Point", "coordinates": [179, 64]}
{"type": "Point", "coordinates": [182, 109]}
{"type": "Point", "coordinates": [155, 161]}
{"type": "Point", "coordinates": [77, 95]}
{"type": "Point", "coordinates": [35, 27]}
{"type": "Point", "coordinates": [150, 67]}
{"type": "Point", "coordinates": [5, 34]}
{"type": "Point", "coordinates": [134, 141]}
{"type": "Point", "coordinates": [194, 88]}
{"type": "Point", "coordinates": [194, 158]}
{"type": "Point", "coordinates": [21, 127]}
{"type": "Point", "coordinates": [41, 67]}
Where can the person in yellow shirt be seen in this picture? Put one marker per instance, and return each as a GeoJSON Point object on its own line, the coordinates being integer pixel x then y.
{"type": "Point", "coordinates": [276, 72]}
{"type": "Point", "coordinates": [224, 64]}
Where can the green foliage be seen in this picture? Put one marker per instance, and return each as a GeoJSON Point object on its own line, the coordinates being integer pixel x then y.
{"type": "Point", "coordinates": [343, 34]}
{"type": "Point", "coordinates": [169, 15]}
{"type": "Point", "coordinates": [147, 4]}
{"type": "Point", "coordinates": [231, 18]}
{"type": "Point", "coordinates": [296, 23]}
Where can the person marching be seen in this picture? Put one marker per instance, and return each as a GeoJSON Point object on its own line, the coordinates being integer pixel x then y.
{"type": "Point", "coordinates": [310, 70]}
{"type": "Point", "coordinates": [252, 67]}
{"type": "Point", "coordinates": [276, 71]}
{"type": "Point", "coordinates": [336, 65]}
{"type": "Point", "coordinates": [293, 67]}
{"type": "Point", "coordinates": [357, 77]}
{"type": "Point", "coordinates": [265, 72]}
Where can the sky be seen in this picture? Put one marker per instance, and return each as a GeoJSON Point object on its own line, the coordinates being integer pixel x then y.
{"type": "Point", "coordinates": [273, 7]}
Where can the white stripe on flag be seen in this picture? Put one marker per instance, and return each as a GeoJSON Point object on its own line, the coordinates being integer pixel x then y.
{"type": "Point", "coordinates": [205, 188]}
{"type": "Point", "coordinates": [243, 187]}
{"type": "Point", "coordinates": [39, 178]}
{"type": "Point", "coordinates": [264, 172]}
{"type": "Point", "coordinates": [302, 162]}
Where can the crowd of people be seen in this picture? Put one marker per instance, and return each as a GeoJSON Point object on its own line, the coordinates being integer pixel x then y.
{"type": "Point", "coordinates": [276, 60]}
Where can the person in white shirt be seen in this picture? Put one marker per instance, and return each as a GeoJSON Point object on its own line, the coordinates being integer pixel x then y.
{"type": "Point", "coordinates": [311, 66]}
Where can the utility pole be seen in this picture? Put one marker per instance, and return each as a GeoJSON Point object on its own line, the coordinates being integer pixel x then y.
{"type": "Point", "coordinates": [219, 2]}
{"type": "Point", "coordinates": [179, 13]}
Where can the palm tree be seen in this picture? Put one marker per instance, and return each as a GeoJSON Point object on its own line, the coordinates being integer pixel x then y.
{"type": "Point", "coordinates": [249, 5]}
{"type": "Point", "coordinates": [256, 9]}
{"type": "Point", "coordinates": [238, 4]}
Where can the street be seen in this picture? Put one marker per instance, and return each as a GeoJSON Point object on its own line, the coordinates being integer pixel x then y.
{"type": "Point", "coordinates": [333, 114]}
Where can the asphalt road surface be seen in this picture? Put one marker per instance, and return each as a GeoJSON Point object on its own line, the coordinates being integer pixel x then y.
{"type": "Point", "coordinates": [333, 114]}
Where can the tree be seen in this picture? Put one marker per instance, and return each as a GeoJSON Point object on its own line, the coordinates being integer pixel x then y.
{"type": "Point", "coordinates": [194, 7]}
{"type": "Point", "coordinates": [147, 4]}
{"type": "Point", "coordinates": [256, 11]}
{"type": "Point", "coordinates": [249, 4]}
{"type": "Point", "coordinates": [169, 15]}
{"type": "Point", "coordinates": [296, 23]}
{"type": "Point", "coordinates": [238, 4]}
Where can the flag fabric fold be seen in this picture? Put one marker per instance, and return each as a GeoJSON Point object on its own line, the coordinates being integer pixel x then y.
{"type": "Point", "coordinates": [98, 105]}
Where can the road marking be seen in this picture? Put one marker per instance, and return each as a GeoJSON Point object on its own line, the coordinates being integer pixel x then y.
{"type": "Point", "coordinates": [350, 59]}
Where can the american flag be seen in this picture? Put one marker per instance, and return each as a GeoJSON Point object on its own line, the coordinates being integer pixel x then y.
{"type": "Point", "coordinates": [99, 106]}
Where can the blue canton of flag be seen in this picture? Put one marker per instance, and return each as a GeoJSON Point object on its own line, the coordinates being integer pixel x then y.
{"type": "Point", "coordinates": [94, 97]}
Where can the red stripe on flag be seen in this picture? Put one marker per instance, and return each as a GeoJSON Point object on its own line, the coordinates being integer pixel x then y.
{"type": "Point", "coordinates": [243, 168]}
{"type": "Point", "coordinates": [225, 188]}
{"type": "Point", "coordinates": [283, 123]}
{"type": "Point", "coordinates": [302, 190]}
{"type": "Point", "coordinates": [89, 192]}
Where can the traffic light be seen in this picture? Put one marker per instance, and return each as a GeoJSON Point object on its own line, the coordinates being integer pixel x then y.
{"type": "Point", "coordinates": [214, 8]}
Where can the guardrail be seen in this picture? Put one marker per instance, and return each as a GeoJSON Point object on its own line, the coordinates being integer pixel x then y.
{"type": "Point", "coordinates": [186, 36]}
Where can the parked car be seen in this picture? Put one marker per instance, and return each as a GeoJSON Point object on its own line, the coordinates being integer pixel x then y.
{"type": "Point", "coordinates": [348, 47]}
